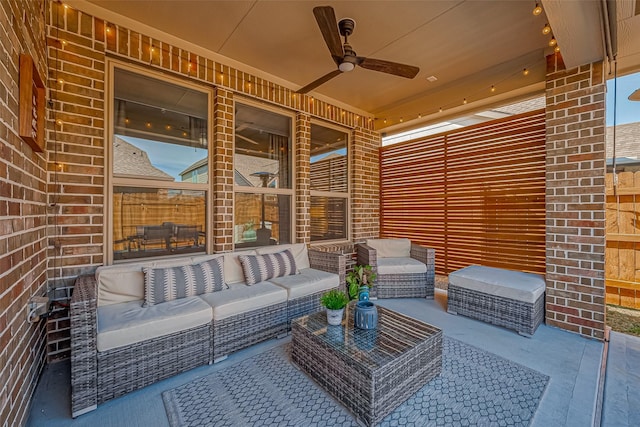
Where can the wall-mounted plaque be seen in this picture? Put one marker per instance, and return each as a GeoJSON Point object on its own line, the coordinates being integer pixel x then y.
{"type": "Point", "coordinates": [32, 98]}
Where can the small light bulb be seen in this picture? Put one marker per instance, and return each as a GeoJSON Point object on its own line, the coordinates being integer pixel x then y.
{"type": "Point", "coordinates": [127, 121]}
{"type": "Point", "coordinates": [385, 121]}
{"type": "Point", "coordinates": [464, 101]}
{"type": "Point", "coordinates": [440, 109]}
{"type": "Point", "coordinates": [553, 42]}
{"type": "Point", "coordinates": [168, 127]}
{"type": "Point", "coordinates": [525, 72]}
{"type": "Point", "coordinates": [493, 88]}
{"type": "Point", "coordinates": [537, 10]}
{"type": "Point", "coordinates": [148, 124]}
{"type": "Point", "coordinates": [556, 49]}
{"type": "Point", "coordinates": [59, 122]}
{"type": "Point", "coordinates": [420, 115]}
{"type": "Point", "coordinates": [401, 120]}
{"type": "Point", "coordinates": [546, 29]}
{"type": "Point", "coordinates": [61, 81]}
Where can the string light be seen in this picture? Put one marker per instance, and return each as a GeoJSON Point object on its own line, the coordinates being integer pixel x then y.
{"type": "Point", "coordinates": [537, 10]}
{"type": "Point", "coordinates": [464, 101]}
{"type": "Point", "coordinates": [493, 88]}
{"type": "Point", "coordinates": [553, 42]}
{"type": "Point", "coordinates": [441, 109]}
{"type": "Point", "coordinates": [401, 120]}
{"type": "Point", "coordinates": [525, 72]}
{"type": "Point", "coordinates": [546, 29]}
{"type": "Point", "coordinates": [556, 49]}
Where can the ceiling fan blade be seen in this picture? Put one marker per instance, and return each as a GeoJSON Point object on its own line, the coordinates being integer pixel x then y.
{"type": "Point", "coordinates": [326, 18]}
{"type": "Point", "coordinates": [314, 84]}
{"type": "Point", "coordinates": [402, 70]}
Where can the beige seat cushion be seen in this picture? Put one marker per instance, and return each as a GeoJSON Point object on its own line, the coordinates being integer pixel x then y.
{"type": "Point", "coordinates": [299, 251]}
{"type": "Point", "coordinates": [391, 248]}
{"type": "Point", "coordinates": [240, 298]}
{"type": "Point", "coordinates": [128, 323]}
{"type": "Point", "coordinates": [516, 285]}
{"type": "Point", "coordinates": [401, 266]}
{"type": "Point", "coordinates": [309, 281]}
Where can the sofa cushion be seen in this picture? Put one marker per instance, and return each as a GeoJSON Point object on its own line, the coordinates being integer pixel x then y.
{"type": "Point", "coordinates": [391, 248]}
{"type": "Point", "coordinates": [516, 285]}
{"type": "Point", "coordinates": [128, 323]}
{"type": "Point", "coordinates": [401, 266]}
{"type": "Point", "coordinates": [309, 281]}
{"type": "Point", "coordinates": [258, 268]}
{"type": "Point", "coordinates": [240, 299]}
{"type": "Point", "coordinates": [167, 284]}
{"type": "Point", "coordinates": [232, 268]}
{"type": "Point", "coordinates": [119, 283]}
{"type": "Point", "coordinates": [299, 251]}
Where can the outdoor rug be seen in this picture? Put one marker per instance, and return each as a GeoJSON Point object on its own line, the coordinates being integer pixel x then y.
{"type": "Point", "coordinates": [475, 388]}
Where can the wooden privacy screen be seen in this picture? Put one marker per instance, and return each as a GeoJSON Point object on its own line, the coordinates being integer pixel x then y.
{"type": "Point", "coordinates": [476, 195]}
{"type": "Point", "coordinates": [622, 255]}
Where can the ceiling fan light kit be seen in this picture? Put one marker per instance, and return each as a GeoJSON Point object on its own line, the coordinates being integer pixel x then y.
{"type": "Point", "coordinates": [343, 54]}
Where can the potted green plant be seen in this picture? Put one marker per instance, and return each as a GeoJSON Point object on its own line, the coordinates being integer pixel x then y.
{"type": "Point", "coordinates": [335, 301]}
{"type": "Point", "coordinates": [361, 278]}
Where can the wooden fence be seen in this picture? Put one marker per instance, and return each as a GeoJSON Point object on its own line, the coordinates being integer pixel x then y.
{"type": "Point", "coordinates": [622, 256]}
{"type": "Point", "coordinates": [476, 195]}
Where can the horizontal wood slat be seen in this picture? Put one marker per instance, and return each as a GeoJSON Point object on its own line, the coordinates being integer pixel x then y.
{"type": "Point", "coordinates": [476, 195]}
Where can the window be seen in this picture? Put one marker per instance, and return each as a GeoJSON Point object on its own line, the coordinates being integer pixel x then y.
{"type": "Point", "coordinates": [159, 167]}
{"type": "Point", "coordinates": [329, 184]}
{"type": "Point", "coordinates": [262, 177]}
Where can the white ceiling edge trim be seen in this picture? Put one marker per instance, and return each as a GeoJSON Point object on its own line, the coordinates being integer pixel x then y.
{"type": "Point", "coordinates": [470, 108]}
{"type": "Point", "coordinates": [114, 18]}
{"type": "Point", "coordinates": [578, 27]}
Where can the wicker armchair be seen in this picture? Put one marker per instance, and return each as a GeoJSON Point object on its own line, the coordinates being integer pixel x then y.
{"type": "Point", "coordinates": [404, 269]}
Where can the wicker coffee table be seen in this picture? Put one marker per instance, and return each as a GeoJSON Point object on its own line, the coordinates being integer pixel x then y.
{"type": "Point", "coordinates": [370, 371]}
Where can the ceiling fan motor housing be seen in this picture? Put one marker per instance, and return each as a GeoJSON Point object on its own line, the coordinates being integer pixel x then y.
{"type": "Point", "coordinates": [346, 26]}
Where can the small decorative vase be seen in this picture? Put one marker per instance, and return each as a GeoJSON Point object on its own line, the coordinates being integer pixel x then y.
{"type": "Point", "coordinates": [363, 293]}
{"type": "Point", "coordinates": [334, 317]}
{"type": "Point", "coordinates": [366, 315]}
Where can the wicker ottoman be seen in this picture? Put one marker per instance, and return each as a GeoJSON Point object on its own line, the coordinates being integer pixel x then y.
{"type": "Point", "coordinates": [511, 299]}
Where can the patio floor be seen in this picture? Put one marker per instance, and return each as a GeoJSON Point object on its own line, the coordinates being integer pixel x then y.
{"type": "Point", "coordinates": [572, 362]}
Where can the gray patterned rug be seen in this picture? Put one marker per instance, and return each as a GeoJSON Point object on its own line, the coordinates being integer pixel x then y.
{"type": "Point", "coordinates": [475, 388]}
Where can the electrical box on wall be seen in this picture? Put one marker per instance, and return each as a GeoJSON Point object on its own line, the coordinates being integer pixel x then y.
{"type": "Point", "coordinates": [37, 307]}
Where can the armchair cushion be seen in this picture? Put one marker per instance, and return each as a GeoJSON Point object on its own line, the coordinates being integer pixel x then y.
{"type": "Point", "coordinates": [400, 266]}
{"type": "Point", "coordinates": [391, 248]}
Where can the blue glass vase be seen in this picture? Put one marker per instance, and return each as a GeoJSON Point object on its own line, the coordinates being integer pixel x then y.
{"type": "Point", "coordinates": [363, 293]}
{"type": "Point", "coordinates": [365, 315]}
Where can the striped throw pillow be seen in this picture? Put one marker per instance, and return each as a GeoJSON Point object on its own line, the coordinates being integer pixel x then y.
{"type": "Point", "coordinates": [258, 268]}
{"type": "Point", "coordinates": [168, 284]}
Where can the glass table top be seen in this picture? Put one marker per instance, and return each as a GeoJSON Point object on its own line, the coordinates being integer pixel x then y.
{"type": "Point", "coordinates": [395, 334]}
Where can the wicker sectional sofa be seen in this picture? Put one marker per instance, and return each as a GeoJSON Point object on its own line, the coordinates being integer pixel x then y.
{"type": "Point", "coordinates": [119, 344]}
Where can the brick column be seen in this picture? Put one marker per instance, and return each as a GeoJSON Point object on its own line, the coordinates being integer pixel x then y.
{"type": "Point", "coordinates": [575, 197]}
{"type": "Point", "coordinates": [365, 184]}
{"type": "Point", "coordinates": [303, 183]}
{"type": "Point", "coordinates": [222, 167]}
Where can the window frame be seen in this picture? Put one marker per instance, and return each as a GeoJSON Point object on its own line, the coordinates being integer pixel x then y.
{"type": "Point", "coordinates": [333, 194]}
{"type": "Point", "coordinates": [291, 192]}
{"type": "Point", "coordinates": [112, 181]}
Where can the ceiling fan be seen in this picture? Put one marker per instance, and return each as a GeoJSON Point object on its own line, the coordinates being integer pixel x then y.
{"type": "Point", "coordinates": [343, 54]}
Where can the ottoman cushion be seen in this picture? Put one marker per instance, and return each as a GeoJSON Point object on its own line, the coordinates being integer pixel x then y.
{"type": "Point", "coordinates": [516, 285]}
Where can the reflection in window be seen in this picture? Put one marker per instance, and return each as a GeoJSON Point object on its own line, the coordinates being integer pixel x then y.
{"type": "Point", "coordinates": [160, 129]}
{"type": "Point", "coordinates": [261, 219]}
{"type": "Point", "coordinates": [262, 152]}
{"type": "Point", "coordinates": [157, 221]}
{"type": "Point", "coordinates": [160, 167]}
{"type": "Point", "coordinates": [329, 183]}
{"type": "Point", "coordinates": [328, 218]}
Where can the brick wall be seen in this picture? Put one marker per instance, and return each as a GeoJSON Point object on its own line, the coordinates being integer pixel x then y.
{"type": "Point", "coordinates": [303, 182]}
{"type": "Point", "coordinates": [23, 228]}
{"type": "Point", "coordinates": [575, 197]}
{"type": "Point", "coordinates": [80, 44]}
{"type": "Point", "coordinates": [365, 184]}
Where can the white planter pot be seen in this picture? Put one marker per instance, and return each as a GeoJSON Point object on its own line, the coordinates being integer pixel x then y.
{"type": "Point", "coordinates": [334, 317]}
